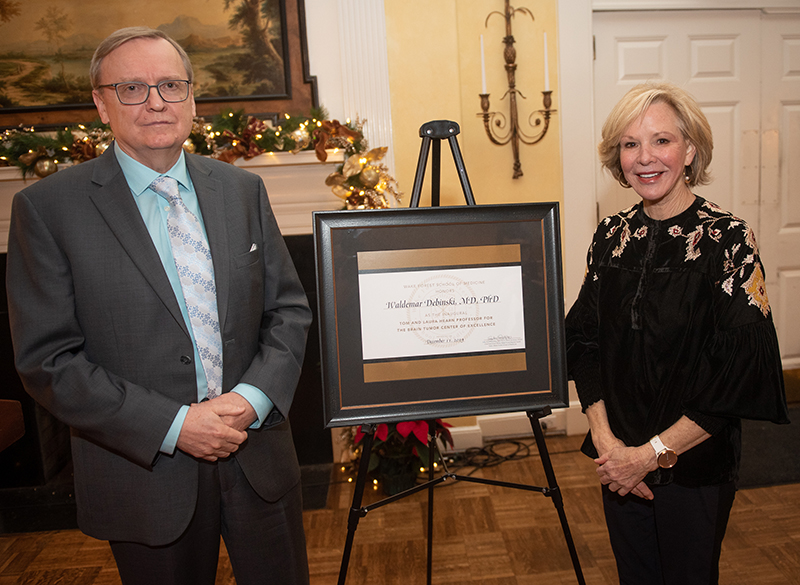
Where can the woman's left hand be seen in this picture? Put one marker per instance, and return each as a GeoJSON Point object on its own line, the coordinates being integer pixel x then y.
{"type": "Point", "coordinates": [624, 468]}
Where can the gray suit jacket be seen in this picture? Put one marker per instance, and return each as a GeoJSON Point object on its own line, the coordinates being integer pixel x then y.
{"type": "Point", "coordinates": [99, 339]}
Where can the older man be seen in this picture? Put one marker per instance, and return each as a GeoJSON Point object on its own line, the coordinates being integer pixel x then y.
{"type": "Point", "coordinates": [155, 310]}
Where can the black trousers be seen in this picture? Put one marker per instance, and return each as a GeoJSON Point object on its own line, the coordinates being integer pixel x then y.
{"type": "Point", "coordinates": [265, 540]}
{"type": "Point", "coordinates": [674, 539]}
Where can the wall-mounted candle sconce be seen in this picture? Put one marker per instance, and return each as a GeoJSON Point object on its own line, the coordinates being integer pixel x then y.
{"type": "Point", "coordinates": [508, 129]}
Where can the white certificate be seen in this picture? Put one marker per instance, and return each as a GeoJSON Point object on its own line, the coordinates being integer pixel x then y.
{"type": "Point", "coordinates": [415, 313]}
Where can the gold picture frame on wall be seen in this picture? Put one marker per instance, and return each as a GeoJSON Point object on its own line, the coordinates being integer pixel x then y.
{"type": "Point", "coordinates": [247, 54]}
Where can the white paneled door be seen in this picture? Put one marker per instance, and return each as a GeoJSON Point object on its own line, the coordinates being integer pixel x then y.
{"type": "Point", "coordinates": [743, 67]}
{"type": "Point", "coordinates": [779, 233]}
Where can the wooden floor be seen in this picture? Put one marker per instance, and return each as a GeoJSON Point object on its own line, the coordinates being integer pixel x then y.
{"type": "Point", "coordinates": [482, 534]}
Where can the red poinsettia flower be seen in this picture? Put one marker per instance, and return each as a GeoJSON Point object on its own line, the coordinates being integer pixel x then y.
{"type": "Point", "coordinates": [418, 427]}
{"type": "Point", "coordinates": [401, 449]}
{"type": "Point", "coordinates": [408, 433]}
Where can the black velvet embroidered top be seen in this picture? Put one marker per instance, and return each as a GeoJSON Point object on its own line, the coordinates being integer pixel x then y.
{"type": "Point", "coordinates": [673, 319]}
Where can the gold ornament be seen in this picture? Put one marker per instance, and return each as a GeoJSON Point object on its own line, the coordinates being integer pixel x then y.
{"type": "Point", "coordinates": [188, 146]}
{"type": "Point", "coordinates": [301, 139]}
{"type": "Point", "coordinates": [45, 166]}
{"type": "Point", "coordinates": [370, 177]}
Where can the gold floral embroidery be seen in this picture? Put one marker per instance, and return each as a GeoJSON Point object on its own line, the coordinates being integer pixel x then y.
{"type": "Point", "coordinates": [624, 238]}
{"type": "Point", "coordinates": [757, 290]}
{"type": "Point", "coordinates": [710, 217]}
{"type": "Point", "coordinates": [692, 240]}
{"type": "Point", "coordinates": [729, 264]}
{"type": "Point", "coordinates": [742, 275]}
{"type": "Point", "coordinates": [750, 239]}
{"type": "Point", "coordinates": [727, 286]}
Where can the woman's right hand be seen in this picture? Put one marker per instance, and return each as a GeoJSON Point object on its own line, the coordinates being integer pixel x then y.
{"type": "Point", "coordinates": [606, 442]}
{"type": "Point", "coordinates": [623, 470]}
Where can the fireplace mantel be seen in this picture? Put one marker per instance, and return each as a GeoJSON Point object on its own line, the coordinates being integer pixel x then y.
{"type": "Point", "coordinates": [295, 184]}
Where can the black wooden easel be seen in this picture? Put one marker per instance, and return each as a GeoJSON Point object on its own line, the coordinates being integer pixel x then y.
{"type": "Point", "coordinates": [433, 133]}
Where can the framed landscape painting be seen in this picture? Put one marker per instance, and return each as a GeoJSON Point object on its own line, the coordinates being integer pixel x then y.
{"type": "Point", "coordinates": [246, 54]}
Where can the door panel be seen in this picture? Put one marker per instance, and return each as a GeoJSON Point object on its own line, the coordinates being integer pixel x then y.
{"type": "Point", "coordinates": [779, 234]}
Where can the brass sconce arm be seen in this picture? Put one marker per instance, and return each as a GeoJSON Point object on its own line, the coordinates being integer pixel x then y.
{"type": "Point", "coordinates": [502, 130]}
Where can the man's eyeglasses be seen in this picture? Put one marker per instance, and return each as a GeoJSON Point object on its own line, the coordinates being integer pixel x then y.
{"type": "Point", "coordinates": [132, 93]}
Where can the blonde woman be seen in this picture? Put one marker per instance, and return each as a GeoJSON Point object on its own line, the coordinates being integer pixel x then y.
{"type": "Point", "coordinates": [670, 343]}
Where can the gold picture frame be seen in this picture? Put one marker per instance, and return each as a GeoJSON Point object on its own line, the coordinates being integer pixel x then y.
{"type": "Point", "coordinates": [45, 49]}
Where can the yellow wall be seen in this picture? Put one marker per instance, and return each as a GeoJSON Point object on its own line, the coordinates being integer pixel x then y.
{"type": "Point", "coordinates": [435, 73]}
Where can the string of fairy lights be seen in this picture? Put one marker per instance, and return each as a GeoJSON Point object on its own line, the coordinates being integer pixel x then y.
{"type": "Point", "coordinates": [362, 182]}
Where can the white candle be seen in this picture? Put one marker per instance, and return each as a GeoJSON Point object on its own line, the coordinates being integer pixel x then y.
{"type": "Point", "coordinates": [546, 67]}
{"type": "Point", "coordinates": [483, 69]}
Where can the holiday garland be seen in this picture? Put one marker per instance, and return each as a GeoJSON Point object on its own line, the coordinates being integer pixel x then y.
{"type": "Point", "coordinates": [39, 153]}
{"type": "Point", "coordinates": [362, 181]}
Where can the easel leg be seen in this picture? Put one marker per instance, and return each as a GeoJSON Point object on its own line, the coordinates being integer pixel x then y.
{"type": "Point", "coordinates": [431, 458]}
{"type": "Point", "coordinates": [358, 496]}
{"type": "Point", "coordinates": [554, 492]}
{"type": "Point", "coordinates": [436, 173]}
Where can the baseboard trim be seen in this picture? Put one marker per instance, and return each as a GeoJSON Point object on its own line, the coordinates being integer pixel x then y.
{"type": "Point", "coordinates": [562, 421]}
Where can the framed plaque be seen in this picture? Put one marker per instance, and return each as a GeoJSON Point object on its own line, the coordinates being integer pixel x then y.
{"type": "Point", "coordinates": [436, 312]}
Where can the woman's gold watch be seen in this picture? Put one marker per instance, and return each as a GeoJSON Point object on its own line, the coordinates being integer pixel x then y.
{"type": "Point", "coordinates": [665, 456]}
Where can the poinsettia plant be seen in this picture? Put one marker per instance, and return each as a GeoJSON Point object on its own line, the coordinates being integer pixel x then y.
{"type": "Point", "coordinates": [400, 449]}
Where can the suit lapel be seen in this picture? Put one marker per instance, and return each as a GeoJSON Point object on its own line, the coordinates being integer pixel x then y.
{"type": "Point", "coordinates": [115, 203]}
{"type": "Point", "coordinates": [211, 198]}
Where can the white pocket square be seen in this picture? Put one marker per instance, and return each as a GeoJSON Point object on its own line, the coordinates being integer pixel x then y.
{"type": "Point", "coordinates": [253, 248]}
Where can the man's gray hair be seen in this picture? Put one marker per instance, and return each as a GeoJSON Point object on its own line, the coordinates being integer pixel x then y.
{"type": "Point", "coordinates": [122, 36]}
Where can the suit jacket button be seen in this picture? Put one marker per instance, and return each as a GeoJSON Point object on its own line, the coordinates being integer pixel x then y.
{"type": "Point", "coordinates": [186, 360]}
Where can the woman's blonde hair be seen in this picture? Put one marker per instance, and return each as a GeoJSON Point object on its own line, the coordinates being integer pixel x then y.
{"type": "Point", "coordinates": [692, 122]}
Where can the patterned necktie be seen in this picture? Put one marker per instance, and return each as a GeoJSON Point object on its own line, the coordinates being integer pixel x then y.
{"type": "Point", "coordinates": [196, 273]}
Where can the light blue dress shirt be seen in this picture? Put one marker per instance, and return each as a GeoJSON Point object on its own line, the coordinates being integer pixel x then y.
{"type": "Point", "coordinates": [154, 209]}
